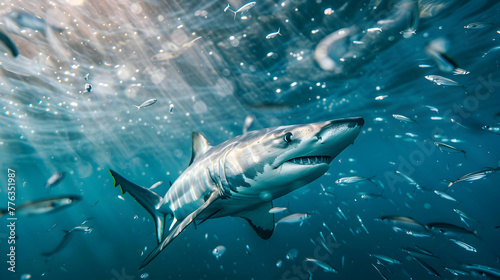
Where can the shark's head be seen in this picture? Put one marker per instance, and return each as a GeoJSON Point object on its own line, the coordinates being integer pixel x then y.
{"type": "Point", "coordinates": [278, 160]}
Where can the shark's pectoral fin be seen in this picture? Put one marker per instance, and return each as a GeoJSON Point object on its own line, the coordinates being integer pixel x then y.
{"type": "Point", "coordinates": [261, 220]}
{"type": "Point", "coordinates": [148, 199]}
{"type": "Point", "coordinates": [179, 228]}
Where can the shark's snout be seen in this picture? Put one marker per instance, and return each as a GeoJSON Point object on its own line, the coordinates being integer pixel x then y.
{"type": "Point", "coordinates": [350, 122]}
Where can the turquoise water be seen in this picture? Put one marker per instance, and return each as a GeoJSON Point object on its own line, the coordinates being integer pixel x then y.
{"type": "Point", "coordinates": [135, 51]}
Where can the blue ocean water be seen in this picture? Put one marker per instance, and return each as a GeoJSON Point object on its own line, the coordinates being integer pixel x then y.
{"type": "Point", "coordinates": [332, 59]}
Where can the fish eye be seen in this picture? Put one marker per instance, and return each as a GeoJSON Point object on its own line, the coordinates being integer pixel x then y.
{"type": "Point", "coordinates": [288, 137]}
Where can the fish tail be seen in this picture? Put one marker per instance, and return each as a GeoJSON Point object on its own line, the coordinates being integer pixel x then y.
{"type": "Point", "coordinates": [279, 28]}
{"type": "Point", "coordinates": [149, 200]}
{"type": "Point", "coordinates": [370, 179]}
{"type": "Point", "coordinates": [138, 107]}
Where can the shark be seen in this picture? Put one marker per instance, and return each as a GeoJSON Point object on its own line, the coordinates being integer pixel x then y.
{"type": "Point", "coordinates": [242, 176]}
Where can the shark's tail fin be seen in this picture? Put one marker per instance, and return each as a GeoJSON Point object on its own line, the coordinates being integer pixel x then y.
{"type": "Point", "coordinates": [148, 199]}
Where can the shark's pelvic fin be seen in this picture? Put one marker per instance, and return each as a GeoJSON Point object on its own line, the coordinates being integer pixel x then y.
{"type": "Point", "coordinates": [180, 228]}
{"type": "Point", "coordinates": [147, 199]}
{"type": "Point", "coordinates": [261, 220]}
{"type": "Point", "coordinates": [199, 147]}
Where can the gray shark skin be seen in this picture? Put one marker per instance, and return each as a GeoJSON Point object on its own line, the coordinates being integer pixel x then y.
{"type": "Point", "coordinates": [242, 176]}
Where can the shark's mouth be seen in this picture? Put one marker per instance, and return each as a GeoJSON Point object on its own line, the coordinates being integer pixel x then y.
{"type": "Point", "coordinates": [312, 160]}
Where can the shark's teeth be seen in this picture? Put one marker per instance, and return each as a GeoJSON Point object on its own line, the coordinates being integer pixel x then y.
{"type": "Point", "coordinates": [311, 160]}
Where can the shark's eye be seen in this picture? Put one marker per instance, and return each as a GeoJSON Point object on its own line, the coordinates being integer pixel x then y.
{"type": "Point", "coordinates": [288, 137]}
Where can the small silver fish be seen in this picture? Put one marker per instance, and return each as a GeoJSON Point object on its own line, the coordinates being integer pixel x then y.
{"type": "Point", "coordinates": [478, 25]}
{"type": "Point", "coordinates": [171, 108]}
{"type": "Point", "coordinates": [276, 210]}
{"type": "Point", "coordinates": [448, 148]}
{"type": "Point", "coordinates": [450, 229]}
{"type": "Point", "coordinates": [492, 50]}
{"type": "Point", "coordinates": [55, 179]}
{"type": "Point", "coordinates": [364, 195]}
{"type": "Point", "coordinates": [273, 34]}
{"type": "Point", "coordinates": [326, 267]}
{"type": "Point", "coordinates": [445, 196]}
{"type": "Point", "coordinates": [456, 272]}
{"type": "Point", "coordinates": [292, 254]}
{"type": "Point", "coordinates": [404, 118]}
{"type": "Point", "coordinates": [241, 9]}
{"type": "Point", "coordinates": [460, 71]}
{"type": "Point", "coordinates": [419, 251]}
{"type": "Point", "coordinates": [324, 191]}
{"type": "Point", "coordinates": [146, 103]}
{"type": "Point", "coordinates": [484, 270]}
{"type": "Point", "coordinates": [190, 43]}
{"type": "Point", "coordinates": [156, 185]}
{"type": "Point", "coordinates": [409, 179]}
{"type": "Point", "coordinates": [426, 266]}
{"type": "Point", "coordinates": [401, 221]}
{"type": "Point", "coordinates": [442, 81]}
{"type": "Point", "coordinates": [474, 176]}
{"type": "Point", "coordinates": [374, 29]}
{"type": "Point", "coordinates": [386, 259]}
{"type": "Point", "coordinates": [294, 218]}
{"type": "Point", "coordinates": [67, 237]}
{"type": "Point", "coordinates": [341, 213]}
{"type": "Point", "coordinates": [362, 225]}
{"type": "Point", "coordinates": [432, 108]}
{"type": "Point", "coordinates": [219, 251]}
{"type": "Point", "coordinates": [492, 128]}
{"type": "Point", "coordinates": [353, 180]}
{"type": "Point", "coordinates": [86, 220]}
{"type": "Point", "coordinates": [463, 245]}
{"type": "Point", "coordinates": [82, 229]}
{"type": "Point", "coordinates": [53, 226]}
{"type": "Point", "coordinates": [465, 215]}
{"type": "Point", "coordinates": [44, 206]}
{"type": "Point", "coordinates": [380, 273]}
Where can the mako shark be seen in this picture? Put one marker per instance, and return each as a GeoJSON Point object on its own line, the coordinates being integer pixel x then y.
{"type": "Point", "coordinates": [242, 176]}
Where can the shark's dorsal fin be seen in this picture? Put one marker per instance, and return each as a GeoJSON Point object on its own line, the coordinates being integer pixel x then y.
{"type": "Point", "coordinates": [261, 220]}
{"type": "Point", "coordinates": [200, 146]}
